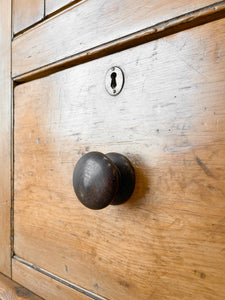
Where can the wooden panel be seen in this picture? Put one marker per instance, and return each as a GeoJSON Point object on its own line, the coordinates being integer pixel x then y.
{"type": "Point", "coordinates": [26, 13]}
{"type": "Point", "coordinates": [169, 121]}
{"type": "Point", "coordinates": [89, 24]}
{"type": "Point", "coordinates": [43, 285]}
{"type": "Point", "coordinates": [9, 290]}
{"type": "Point", "coordinates": [168, 241]}
{"type": "Point", "coordinates": [53, 5]}
{"type": "Point", "coordinates": [5, 136]}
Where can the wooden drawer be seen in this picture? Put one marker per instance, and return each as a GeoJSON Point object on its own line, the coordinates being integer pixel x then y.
{"type": "Point", "coordinates": [168, 240]}
{"type": "Point", "coordinates": [92, 23]}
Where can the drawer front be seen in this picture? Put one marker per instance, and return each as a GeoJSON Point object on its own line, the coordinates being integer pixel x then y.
{"type": "Point", "coordinates": [91, 23]}
{"type": "Point", "coordinates": [168, 240]}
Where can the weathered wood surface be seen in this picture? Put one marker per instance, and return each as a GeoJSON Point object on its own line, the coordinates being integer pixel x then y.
{"type": "Point", "coordinates": [5, 136]}
{"type": "Point", "coordinates": [89, 24]}
{"type": "Point", "coordinates": [43, 285]}
{"type": "Point", "coordinates": [26, 13]}
{"type": "Point", "coordinates": [171, 26]}
{"type": "Point", "coordinates": [10, 290]}
{"type": "Point", "coordinates": [168, 241]}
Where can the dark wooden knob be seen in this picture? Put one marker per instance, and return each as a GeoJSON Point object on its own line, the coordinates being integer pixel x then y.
{"type": "Point", "coordinates": [100, 180]}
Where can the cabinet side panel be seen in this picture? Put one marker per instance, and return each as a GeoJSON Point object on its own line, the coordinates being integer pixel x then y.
{"type": "Point", "coordinates": [5, 117]}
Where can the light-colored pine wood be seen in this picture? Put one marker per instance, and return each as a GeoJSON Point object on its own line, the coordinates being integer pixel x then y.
{"type": "Point", "coordinates": [183, 22]}
{"type": "Point", "coordinates": [5, 136]}
{"type": "Point", "coordinates": [10, 290]}
{"type": "Point", "coordinates": [26, 13]}
{"type": "Point", "coordinates": [89, 24]}
{"type": "Point", "coordinates": [43, 285]}
{"type": "Point", "coordinates": [168, 241]}
{"type": "Point", "coordinates": [54, 5]}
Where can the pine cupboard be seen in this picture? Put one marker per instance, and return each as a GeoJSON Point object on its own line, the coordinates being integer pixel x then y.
{"type": "Point", "coordinates": [167, 241]}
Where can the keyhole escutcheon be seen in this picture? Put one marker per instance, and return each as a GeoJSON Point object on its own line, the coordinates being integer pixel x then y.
{"type": "Point", "coordinates": [114, 81]}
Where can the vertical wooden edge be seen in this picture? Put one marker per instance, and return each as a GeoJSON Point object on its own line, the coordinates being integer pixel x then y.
{"type": "Point", "coordinates": [14, 291]}
{"type": "Point", "coordinates": [43, 285]}
{"type": "Point", "coordinates": [5, 137]}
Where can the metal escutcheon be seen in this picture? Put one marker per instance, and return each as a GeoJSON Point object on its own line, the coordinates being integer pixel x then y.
{"type": "Point", "coordinates": [114, 81]}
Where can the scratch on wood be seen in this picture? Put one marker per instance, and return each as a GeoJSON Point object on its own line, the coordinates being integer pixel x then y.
{"type": "Point", "coordinates": [66, 268]}
{"type": "Point", "coordinates": [203, 166]}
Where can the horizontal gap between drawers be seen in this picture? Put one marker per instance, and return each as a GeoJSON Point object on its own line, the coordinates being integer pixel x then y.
{"type": "Point", "coordinates": [59, 279]}
{"type": "Point", "coordinates": [192, 19]}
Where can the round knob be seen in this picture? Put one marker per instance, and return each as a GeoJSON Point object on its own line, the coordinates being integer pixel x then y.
{"type": "Point", "coordinates": [100, 180]}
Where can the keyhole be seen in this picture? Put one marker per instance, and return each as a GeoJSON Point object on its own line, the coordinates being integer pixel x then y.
{"type": "Point", "coordinates": [113, 82]}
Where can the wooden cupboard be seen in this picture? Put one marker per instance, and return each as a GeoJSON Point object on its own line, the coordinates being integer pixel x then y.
{"type": "Point", "coordinates": [167, 241]}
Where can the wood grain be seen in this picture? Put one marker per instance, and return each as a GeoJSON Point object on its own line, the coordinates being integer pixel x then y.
{"type": "Point", "coordinates": [5, 136]}
{"type": "Point", "coordinates": [168, 241]}
{"type": "Point", "coordinates": [43, 285]}
{"type": "Point", "coordinates": [10, 290]}
{"type": "Point", "coordinates": [89, 24]}
{"type": "Point", "coordinates": [184, 22]}
{"type": "Point", "coordinates": [55, 5]}
{"type": "Point", "coordinates": [26, 13]}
